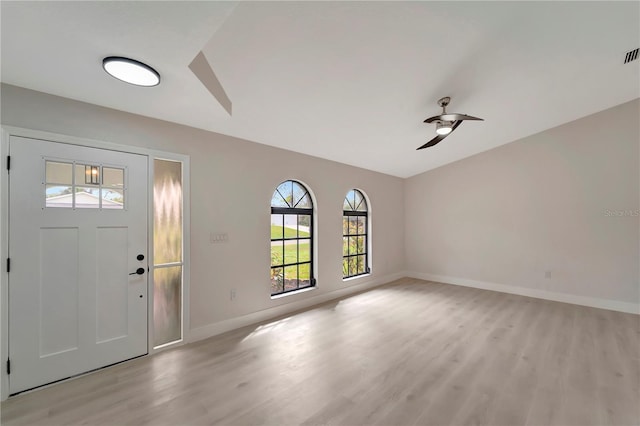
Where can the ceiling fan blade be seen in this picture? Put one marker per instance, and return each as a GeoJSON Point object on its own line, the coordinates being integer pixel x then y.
{"type": "Point", "coordinates": [433, 142]}
{"type": "Point", "coordinates": [451, 117]}
{"type": "Point", "coordinates": [456, 117]}
{"type": "Point", "coordinates": [439, 138]}
{"type": "Point", "coordinates": [432, 119]}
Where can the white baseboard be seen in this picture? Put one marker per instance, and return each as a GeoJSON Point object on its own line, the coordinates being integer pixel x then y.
{"type": "Point", "coordinates": [612, 305]}
{"type": "Point", "coordinates": [266, 314]}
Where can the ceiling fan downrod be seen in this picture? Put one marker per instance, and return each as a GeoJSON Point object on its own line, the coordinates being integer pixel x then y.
{"type": "Point", "coordinates": [443, 102]}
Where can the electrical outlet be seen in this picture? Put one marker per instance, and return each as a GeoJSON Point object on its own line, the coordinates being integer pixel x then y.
{"type": "Point", "coordinates": [232, 294]}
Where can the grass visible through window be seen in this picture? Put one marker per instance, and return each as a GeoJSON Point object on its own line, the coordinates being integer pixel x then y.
{"type": "Point", "coordinates": [293, 255]}
{"type": "Point", "coordinates": [276, 232]}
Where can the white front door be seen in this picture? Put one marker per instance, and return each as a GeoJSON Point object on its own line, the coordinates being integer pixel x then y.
{"type": "Point", "coordinates": [77, 232]}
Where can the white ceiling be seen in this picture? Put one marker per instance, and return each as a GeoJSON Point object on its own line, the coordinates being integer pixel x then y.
{"type": "Point", "coordinates": [346, 81]}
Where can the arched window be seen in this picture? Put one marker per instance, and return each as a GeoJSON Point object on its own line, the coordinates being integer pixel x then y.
{"type": "Point", "coordinates": [291, 238]}
{"type": "Point", "coordinates": [355, 215]}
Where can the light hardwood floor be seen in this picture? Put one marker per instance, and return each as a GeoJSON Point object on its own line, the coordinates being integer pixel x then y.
{"type": "Point", "coordinates": [407, 353]}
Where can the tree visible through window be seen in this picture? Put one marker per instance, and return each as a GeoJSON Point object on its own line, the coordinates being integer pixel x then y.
{"type": "Point", "coordinates": [291, 238]}
{"type": "Point", "coordinates": [355, 259]}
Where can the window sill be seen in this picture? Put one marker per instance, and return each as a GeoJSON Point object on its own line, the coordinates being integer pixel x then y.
{"type": "Point", "coordinates": [291, 293]}
{"type": "Point", "coordinates": [356, 277]}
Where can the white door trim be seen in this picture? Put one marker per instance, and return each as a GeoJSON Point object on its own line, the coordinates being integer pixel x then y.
{"type": "Point", "coordinates": [6, 133]}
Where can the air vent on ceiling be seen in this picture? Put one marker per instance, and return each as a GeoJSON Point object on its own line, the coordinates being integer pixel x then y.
{"type": "Point", "coordinates": [632, 55]}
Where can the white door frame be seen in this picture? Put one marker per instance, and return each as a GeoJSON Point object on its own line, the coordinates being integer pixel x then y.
{"type": "Point", "coordinates": [6, 133]}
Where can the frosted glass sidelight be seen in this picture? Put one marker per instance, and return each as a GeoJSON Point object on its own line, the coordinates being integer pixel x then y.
{"type": "Point", "coordinates": [167, 246]}
{"type": "Point", "coordinates": [167, 211]}
{"type": "Point", "coordinates": [167, 305]}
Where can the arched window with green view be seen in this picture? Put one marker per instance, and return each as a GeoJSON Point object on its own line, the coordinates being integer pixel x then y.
{"type": "Point", "coordinates": [355, 238]}
{"type": "Point", "coordinates": [291, 238]}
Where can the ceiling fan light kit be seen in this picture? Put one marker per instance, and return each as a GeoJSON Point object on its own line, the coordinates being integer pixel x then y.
{"type": "Point", "coordinates": [443, 127]}
{"type": "Point", "coordinates": [131, 71]}
{"type": "Point", "coordinates": [446, 123]}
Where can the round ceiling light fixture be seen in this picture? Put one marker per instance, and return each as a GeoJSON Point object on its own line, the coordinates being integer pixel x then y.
{"type": "Point", "coordinates": [443, 127]}
{"type": "Point", "coordinates": [131, 71]}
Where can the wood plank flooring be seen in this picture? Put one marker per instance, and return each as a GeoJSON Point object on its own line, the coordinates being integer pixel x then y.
{"type": "Point", "coordinates": [408, 353]}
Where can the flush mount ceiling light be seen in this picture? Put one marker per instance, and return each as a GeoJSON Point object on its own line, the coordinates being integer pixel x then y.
{"type": "Point", "coordinates": [131, 71]}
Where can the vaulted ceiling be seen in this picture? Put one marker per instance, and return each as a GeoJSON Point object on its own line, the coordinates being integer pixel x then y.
{"type": "Point", "coordinates": [345, 81]}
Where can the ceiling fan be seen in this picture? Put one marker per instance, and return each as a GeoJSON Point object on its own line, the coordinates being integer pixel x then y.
{"type": "Point", "coordinates": [445, 122]}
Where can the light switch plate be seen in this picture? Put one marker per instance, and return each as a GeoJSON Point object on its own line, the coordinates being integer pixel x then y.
{"type": "Point", "coordinates": [218, 238]}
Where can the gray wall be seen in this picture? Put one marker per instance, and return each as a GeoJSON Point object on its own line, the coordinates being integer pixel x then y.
{"type": "Point", "coordinates": [231, 185]}
{"type": "Point", "coordinates": [539, 204]}
{"type": "Point", "coordinates": [499, 219]}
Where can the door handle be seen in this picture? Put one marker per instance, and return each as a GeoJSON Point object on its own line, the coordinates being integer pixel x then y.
{"type": "Point", "coordinates": [138, 271]}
